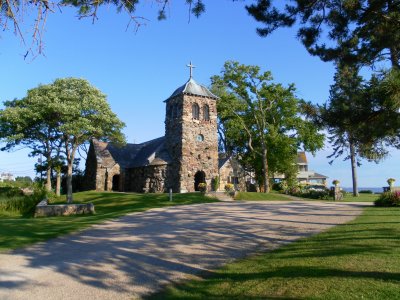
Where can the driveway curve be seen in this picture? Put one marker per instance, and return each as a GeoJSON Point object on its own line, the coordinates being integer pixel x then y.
{"type": "Point", "coordinates": [136, 254]}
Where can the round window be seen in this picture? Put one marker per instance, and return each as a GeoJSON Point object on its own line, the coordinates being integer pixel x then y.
{"type": "Point", "coordinates": [200, 138]}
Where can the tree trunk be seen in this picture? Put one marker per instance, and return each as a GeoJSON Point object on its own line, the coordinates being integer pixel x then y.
{"type": "Point", "coordinates": [58, 183]}
{"type": "Point", "coordinates": [265, 168]}
{"type": "Point", "coordinates": [353, 169]}
{"type": "Point", "coordinates": [48, 179]}
{"type": "Point", "coordinates": [69, 182]}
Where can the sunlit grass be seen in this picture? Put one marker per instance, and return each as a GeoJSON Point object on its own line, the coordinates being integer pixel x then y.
{"type": "Point", "coordinates": [361, 198]}
{"type": "Point", "coordinates": [253, 196]}
{"type": "Point", "coordinates": [358, 260]}
{"type": "Point", "coordinates": [17, 231]}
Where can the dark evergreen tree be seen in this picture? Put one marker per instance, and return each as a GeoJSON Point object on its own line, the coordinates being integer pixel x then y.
{"type": "Point", "coordinates": [328, 29]}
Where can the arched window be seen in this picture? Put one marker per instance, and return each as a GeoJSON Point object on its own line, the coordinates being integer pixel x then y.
{"type": "Point", "coordinates": [206, 113]}
{"type": "Point", "coordinates": [195, 111]}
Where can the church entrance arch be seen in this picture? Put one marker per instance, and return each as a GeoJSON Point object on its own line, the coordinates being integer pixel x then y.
{"type": "Point", "coordinates": [199, 177]}
{"type": "Point", "coordinates": [115, 183]}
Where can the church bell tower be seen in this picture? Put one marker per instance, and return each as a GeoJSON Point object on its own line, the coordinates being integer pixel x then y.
{"type": "Point", "coordinates": [191, 136]}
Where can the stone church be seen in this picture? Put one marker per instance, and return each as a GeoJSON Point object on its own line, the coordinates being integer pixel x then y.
{"type": "Point", "coordinates": [186, 156]}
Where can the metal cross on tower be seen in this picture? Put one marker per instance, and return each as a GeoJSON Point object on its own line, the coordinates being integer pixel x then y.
{"type": "Point", "coordinates": [191, 66]}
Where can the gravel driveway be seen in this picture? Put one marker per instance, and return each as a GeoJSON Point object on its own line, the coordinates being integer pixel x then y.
{"type": "Point", "coordinates": [136, 254]}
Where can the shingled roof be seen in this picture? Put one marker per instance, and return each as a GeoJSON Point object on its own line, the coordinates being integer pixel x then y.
{"type": "Point", "coordinates": [301, 158]}
{"type": "Point", "coordinates": [132, 155]}
{"type": "Point", "coordinates": [191, 87]}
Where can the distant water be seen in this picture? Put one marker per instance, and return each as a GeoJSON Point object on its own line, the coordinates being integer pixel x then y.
{"type": "Point", "coordinates": [374, 189]}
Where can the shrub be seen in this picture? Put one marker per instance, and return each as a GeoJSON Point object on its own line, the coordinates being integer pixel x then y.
{"type": "Point", "coordinates": [388, 199]}
{"type": "Point", "coordinates": [311, 192]}
{"type": "Point", "coordinates": [229, 187]}
{"type": "Point", "coordinates": [9, 191]}
{"type": "Point", "coordinates": [318, 194]}
{"type": "Point", "coordinates": [202, 187]}
{"type": "Point", "coordinates": [277, 186]}
{"type": "Point", "coordinates": [13, 200]}
{"type": "Point", "coordinates": [366, 192]}
{"type": "Point", "coordinates": [215, 183]}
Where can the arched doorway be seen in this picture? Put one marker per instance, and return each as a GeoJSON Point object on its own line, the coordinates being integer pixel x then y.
{"type": "Point", "coordinates": [199, 177]}
{"type": "Point", "coordinates": [115, 183]}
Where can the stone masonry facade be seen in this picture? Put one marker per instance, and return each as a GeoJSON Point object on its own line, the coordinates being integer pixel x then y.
{"type": "Point", "coordinates": [192, 141]}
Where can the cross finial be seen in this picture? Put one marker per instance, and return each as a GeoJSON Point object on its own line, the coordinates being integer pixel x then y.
{"type": "Point", "coordinates": [191, 66]}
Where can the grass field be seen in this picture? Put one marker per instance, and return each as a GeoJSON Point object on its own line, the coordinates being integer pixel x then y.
{"type": "Point", "coordinates": [277, 196]}
{"type": "Point", "coordinates": [260, 196]}
{"type": "Point", "coordinates": [358, 260]}
{"type": "Point", "coordinates": [361, 198]}
{"type": "Point", "coordinates": [17, 231]}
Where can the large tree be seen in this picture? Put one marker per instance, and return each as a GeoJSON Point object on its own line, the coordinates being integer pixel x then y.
{"type": "Point", "coordinates": [25, 123]}
{"type": "Point", "coordinates": [353, 34]}
{"type": "Point", "coordinates": [83, 113]}
{"type": "Point", "coordinates": [261, 119]}
{"type": "Point", "coordinates": [344, 118]}
{"type": "Point", "coordinates": [368, 28]}
{"type": "Point", "coordinates": [74, 109]}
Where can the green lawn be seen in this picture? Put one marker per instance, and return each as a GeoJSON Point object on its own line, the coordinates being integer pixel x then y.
{"type": "Point", "coordinates": [358, 260]}
{"type": "Point", "coordinates": [277, 196]}
{"type": "Point", "coordinates": [17, 231]}
{"type": "Point", "coordinates": [260, 196]}
{"type": "Point", "coordinates": [361, 198]}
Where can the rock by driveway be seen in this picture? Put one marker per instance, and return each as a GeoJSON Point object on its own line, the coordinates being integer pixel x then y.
{"type": "Point", "coordinates": [136, 254]}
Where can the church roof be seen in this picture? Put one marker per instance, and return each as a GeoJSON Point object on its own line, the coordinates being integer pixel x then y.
{"type": "Point", "coordinates": [222, 159]}
{"type": "Point", "coordinates": [132, 155]}
{"type": "Point", "coordinates": [151, 153]}
{"type": "Point", "coordinates": [191, 87]}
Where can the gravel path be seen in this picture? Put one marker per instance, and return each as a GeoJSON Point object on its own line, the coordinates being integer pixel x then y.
{"type": "Point", "coordinates": [136, 254]}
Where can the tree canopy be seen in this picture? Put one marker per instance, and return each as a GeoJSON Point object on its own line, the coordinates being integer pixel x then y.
{"type": "Point", "coordinates": [344, 118]}
{"type": "Point", "coordinates": [329, 29]}
{"type": "Point", "coordinates": [60, 116]}
{"type": "Point", "coordinates": [368, 28]}
{"type": "Point", "coordinates": [262, 121]}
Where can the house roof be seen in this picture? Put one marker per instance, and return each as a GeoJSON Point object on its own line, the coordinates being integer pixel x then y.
{"type": "Point", "coordinates": [310, 175]}
{"type": "Point", "coordinates": [132, 155]}
{"type": "Point", "coordinates": [191, 87]}
{"type": "Point", "coordinates": [301, 158]}
{"type": "Point", "coordinates": [317, 175]}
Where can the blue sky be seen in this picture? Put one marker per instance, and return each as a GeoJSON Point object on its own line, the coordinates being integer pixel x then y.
{"type": "Point", "coordinates": [137, 70]}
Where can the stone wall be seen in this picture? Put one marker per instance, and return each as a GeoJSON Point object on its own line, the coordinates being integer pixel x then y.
{"type": "Point", "coordinates": [173, 140]}
{"type": "Point", "coordinates": [99, 177]}
{"type": "Point", "coordinates": [45, 210]}
{"type": "Point", "coordinates": [149, 179]}
{"type": "Point", "coordinates": [232, 172]}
